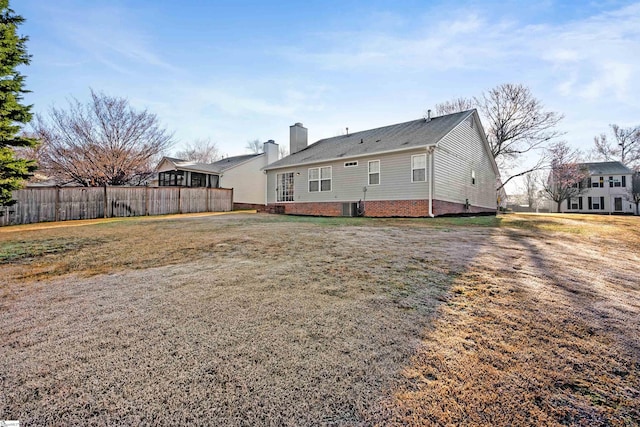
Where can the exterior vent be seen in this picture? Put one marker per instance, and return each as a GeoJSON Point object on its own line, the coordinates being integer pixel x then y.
{"type": "Point", "coordinates": [350, 209]}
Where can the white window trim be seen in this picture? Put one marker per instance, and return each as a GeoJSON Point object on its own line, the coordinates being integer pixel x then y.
{"type": "Point", "coordinates": [379, 172]}
{"type": "Point", "coordinates": [320, 190]}
{"type": "Point", "coordinates": [425, 167]}
{"type": "Point", "coordinates": [351, 164]}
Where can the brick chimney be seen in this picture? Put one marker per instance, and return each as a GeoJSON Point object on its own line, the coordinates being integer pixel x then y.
{"type": "Point", "coordinates": [297, 138]}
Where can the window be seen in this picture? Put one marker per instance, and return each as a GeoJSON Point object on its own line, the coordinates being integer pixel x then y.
{"type": "Point", "coordinates": [198, 179]}
{"type": "Point", "coordinates": [575, 203]}
{"type": "Point", "coordinates": [320, 179]}
{"type": "Point", "coordinates": [617, 183]}
{"type": "Point", "coordinates": [171, 179]}
{"type": "Point", "coordinates": [350, 164]}
{"type": "Point", "coordinates": [314, 179]}
{"type": "Point", "coordinates": [284, 189]}
{"type": "Point", "coordinates": [325, 178]}
{"type": "Point", "coordinates": [473, 177]}
{"type": "Point", "coordinates": [214, 181]}
{"type": "Point", "coordinates": [598, 182]}
{"type": "Point", "coordinates": [419, 168]}
{"type": "Point", "coordinates": [374, 172]}
{"type": "Point", "coordinates": [596, 203]}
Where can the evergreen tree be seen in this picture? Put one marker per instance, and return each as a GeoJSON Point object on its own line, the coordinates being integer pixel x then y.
{"type": "Point", "coordinates": [13, 113]}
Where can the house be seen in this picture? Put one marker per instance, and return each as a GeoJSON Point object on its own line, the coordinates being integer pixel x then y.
{"type": "Point", "coordinates": [427, 167]}
{"type": "Point", "coordinates": [607, 190]}
{"type": "Point", "coordinates": [242, 173]}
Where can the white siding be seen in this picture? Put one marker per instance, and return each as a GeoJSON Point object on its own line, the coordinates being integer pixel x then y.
{"type": "Point", "coordinates": [609, 194]}
{"type": "Point", "coordinates": [165, 166]}
{"type": "Point", "coordinates": [247, 180]}
{"type": "Point", "coordinates": [459, 154]}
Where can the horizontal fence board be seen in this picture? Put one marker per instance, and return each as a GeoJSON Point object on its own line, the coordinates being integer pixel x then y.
{"type": "Point", "coordinates": [69, 203]}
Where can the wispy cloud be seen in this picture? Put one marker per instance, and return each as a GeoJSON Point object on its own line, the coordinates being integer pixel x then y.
{"type": "Point", "coordinates": [603, 47]}
{"type": "Point", "coordinates": [109, 35]}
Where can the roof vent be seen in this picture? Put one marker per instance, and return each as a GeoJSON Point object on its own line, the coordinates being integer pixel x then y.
{"type": "Point", "coordinates": [361, 141]}
{"type": "Point", "coordinates": [428, 115]}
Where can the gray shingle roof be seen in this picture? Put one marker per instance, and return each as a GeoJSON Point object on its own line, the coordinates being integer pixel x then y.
{"type": "Point", "coordinates": [607, 168]}
{"type": "Point", "coordinates": [413, 134]}
{"type": "Point", "coordinates": [193, 166]}
{"type": "Point", "coordinates": [215, 167]}
{"type": "Point", "coordinates": [230, 162]}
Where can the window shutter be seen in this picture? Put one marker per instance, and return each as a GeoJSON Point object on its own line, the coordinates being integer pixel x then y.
{"type": "Point", "coordinates": [589, 183]}
{"type": "Point", "coordinates": [589, 202]}
{"type": "Point", "coordinates": [602, 203]}
{"type": "Point", "coordinates": [580, 203]}
{"type": "Point", "coordinates": [624, 180]}
{"type": "Point", "coordinates": [610, 181]}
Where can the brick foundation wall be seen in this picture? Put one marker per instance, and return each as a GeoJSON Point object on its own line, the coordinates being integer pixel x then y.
{"type": "Point", "coordinates": [249, 206]}
{"type": "Point", "coordinates": [449, 208]}
{"type": "Point", "coordinates": [315, 208]}
{"type": "Point", "coordinates": [380, 208]}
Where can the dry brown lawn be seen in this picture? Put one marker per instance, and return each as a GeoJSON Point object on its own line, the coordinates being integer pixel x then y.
{"type": "Point", "coordinates": [275, 320]}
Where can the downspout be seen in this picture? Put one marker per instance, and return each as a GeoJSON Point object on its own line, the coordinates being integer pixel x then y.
{"type": "Point", "coordinates": [431, 163]}
{"type": "Point", "coordinates": [266, 187]}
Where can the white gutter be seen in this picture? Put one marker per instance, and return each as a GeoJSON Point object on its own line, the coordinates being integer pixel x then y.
{"type": "Point", "coordinates": [266, 188]}
{"type": "Point", "coordinates": [353, 157]}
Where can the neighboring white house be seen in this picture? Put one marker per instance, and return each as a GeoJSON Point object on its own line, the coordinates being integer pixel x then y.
{"type": "Point", "coordinates": [242, 173]}
{"type": "Point", "coordinates": [607, 190]}
{"type": "Point", "coordinates": [426, 167]}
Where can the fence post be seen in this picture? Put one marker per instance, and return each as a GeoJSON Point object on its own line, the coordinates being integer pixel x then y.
{"type": "Point", "coordinates": [105, 201]}
{"type": "Point", "coordinates": [57, 204]}
{"type": "Point", "coordinates": [146, 200]}
{"type": "Point", "coordinates": [179, 201]}
{"type": "Point", "coordinates": [207, 207]}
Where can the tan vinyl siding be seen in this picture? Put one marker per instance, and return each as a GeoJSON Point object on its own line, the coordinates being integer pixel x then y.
{"type": "Point", "coordinates": [456, 157]}
{"type": "Point", "coordinates": [348, 182]}
{"type": "Point", "coordinates": [247, 180]}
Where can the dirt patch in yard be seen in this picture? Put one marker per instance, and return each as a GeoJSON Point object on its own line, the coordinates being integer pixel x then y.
{"type": "Point", "coordinates": [254, 320]}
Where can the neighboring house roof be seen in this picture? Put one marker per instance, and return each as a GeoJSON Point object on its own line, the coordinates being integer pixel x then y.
{"type": "Point", "coordinates": [607, 168]}
{"type": "Point", "coordinates": [413, 134]}
{"type": "Point", "coordinates": [216, 167]}
{"type": "Point", "coordinates": [234, 161]}
{"type": "Point", "coordinates": [191, 166]}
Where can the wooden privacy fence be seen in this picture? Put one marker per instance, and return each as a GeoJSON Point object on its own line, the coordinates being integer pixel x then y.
{"type": "Point", "coordinates": [66, 203]}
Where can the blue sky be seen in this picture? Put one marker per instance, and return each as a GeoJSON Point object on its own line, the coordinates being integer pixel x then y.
{"type": "Point", "coordinates": [234, 71]}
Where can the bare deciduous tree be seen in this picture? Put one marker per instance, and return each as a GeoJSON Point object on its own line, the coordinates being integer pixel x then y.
{"type": "Point", "coordinates": [633, 193]}
{"type": "Point", "coordinates": [531, 189]}
{"type": "Point", "coordinates": [102, 142]}
{"type": "Point", "coordinates": [516, 124]}
{"type": "Point", "coordinates": [255, 146]}
{"type": "Point", "coordinates": [566, 177]}
{"type": "Point", "coordinates": [200, 151]}
{"type": "Point", "coordinates": [455, 106]}
{"type": "Point", "coordinates": [625, 148]}
{"type": "Point", "coordinates": [282, 151]}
